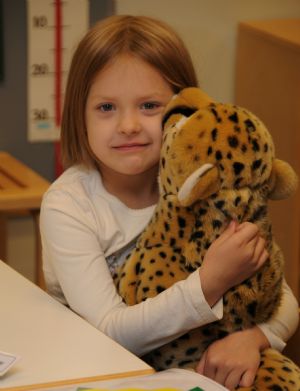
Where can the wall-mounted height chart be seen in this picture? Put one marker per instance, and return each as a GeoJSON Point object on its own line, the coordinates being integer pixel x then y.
{"type": "Point", "coordinates": [54, 29]}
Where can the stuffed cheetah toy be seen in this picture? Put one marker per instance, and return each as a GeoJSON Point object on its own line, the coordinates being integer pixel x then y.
{"type": "Point", "coordinates": [217, 164]}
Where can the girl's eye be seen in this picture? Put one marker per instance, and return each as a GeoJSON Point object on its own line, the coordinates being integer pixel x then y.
{"type": "Point", "coordinates": [106, 107]}
{"type": "Point", "coordinates": [150, 105]}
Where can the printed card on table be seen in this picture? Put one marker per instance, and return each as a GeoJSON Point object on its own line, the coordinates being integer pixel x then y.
{"type": "Point", "coordinates": [7, 360]}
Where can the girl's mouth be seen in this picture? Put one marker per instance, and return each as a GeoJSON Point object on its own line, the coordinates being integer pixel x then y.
{"type": "Point", "coordinates": [130, 147]}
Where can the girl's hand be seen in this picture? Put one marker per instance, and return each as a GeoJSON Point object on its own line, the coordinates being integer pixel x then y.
{"type": "Point", "coordinates": [234, 360]}
{"type": "Point", "coordinates": [234, 256]}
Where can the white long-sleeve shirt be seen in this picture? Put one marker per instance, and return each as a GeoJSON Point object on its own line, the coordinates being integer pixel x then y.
{"type": "Point", "coordinates": [85, 231]}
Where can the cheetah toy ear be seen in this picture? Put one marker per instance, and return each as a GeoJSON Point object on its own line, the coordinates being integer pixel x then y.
{"type": "Point", "coordinates": [199, 185]}
{"type": "Point", "coordinates": [283, 180]}
{"type": "Point", "coordinates": [184, 104]}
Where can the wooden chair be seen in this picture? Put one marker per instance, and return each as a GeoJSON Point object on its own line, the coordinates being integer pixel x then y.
{"type": "Point", "coordinates": [21, 191]}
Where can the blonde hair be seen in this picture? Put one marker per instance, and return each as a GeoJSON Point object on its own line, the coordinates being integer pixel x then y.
{"type": "Point", "coordinates": [146, 38]}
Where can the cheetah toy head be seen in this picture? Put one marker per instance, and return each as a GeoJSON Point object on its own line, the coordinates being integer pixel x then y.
{"type": "Point", "coordinates": [210, 146]}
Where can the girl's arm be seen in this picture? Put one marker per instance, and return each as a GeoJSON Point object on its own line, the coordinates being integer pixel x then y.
{"type": "Point", "coordinates": [284, 323]}
{"type": "Point", "coordinates": [77, 274]}
{"type": "Point", "coordinates": [225, 360]}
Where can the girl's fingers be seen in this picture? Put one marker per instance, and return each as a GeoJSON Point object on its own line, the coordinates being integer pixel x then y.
{"type": "Point", "coordinates": [210, 371]}
{"type": "Point", "coordinates": [247, 379]}
{"type": "Point", "coordinates": [259, 248]}
{"type": "Point", "coordinates": [258, 251]}
{"type": "Point", "coordinates": [229, 231]}
{"type": "Point", "coordinates": [232, 380]}
{"type": "Point", "coordinates": [253, 243]}
{"type": "Point", "coordinates": [221, 376]}
{"type": "Point", "coordinates": [246, 232]}
{"type": "Point", "coordinates": [262, 259]}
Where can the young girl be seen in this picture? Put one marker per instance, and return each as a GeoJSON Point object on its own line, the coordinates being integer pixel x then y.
{"type": "Point", "coordinates": [123, 73]}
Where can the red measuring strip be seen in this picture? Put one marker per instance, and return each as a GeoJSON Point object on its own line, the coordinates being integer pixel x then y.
{"type": "Point", "coordinates": [58, 76]}
{"type": "Point", "coordinates": [58, 60]}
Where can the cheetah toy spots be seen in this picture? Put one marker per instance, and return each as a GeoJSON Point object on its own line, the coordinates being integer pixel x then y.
{"type": "Point", "coordinates": [217, 164]}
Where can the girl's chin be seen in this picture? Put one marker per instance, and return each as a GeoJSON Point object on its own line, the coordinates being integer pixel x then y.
{"type": "Point", "coordinates": [130, 167]}
{"type": "Point", "coordinates": [131, 172]}
{"type": "Point", "coordinates": [138, 170]}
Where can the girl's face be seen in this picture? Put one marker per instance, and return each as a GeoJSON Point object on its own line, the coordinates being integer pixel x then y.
{"type": "Point", "coordinates": [123, 116]}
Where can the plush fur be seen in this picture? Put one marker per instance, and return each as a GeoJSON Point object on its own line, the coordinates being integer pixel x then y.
{"type": "Point", "coordinates": [217, 164]}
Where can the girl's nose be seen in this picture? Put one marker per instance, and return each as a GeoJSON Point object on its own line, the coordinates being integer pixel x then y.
{"type": "Point", "coordinates": [129, 123]}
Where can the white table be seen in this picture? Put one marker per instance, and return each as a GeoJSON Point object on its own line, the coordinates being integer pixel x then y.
{"type": "Point", "coordinates": [56, 346]}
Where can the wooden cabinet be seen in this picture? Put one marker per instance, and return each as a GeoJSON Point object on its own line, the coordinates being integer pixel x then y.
{"type": "Point", "coordinates": [268, 83]}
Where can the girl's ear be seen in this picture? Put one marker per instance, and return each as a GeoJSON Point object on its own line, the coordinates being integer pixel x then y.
{"type": "Point", "coordinates": [283, 181]}
{"type": "Point", "coordinates": [199, 185]}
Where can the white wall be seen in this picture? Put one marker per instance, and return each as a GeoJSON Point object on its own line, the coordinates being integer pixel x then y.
{"type": "Point", "coordinates": [209, 28]}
